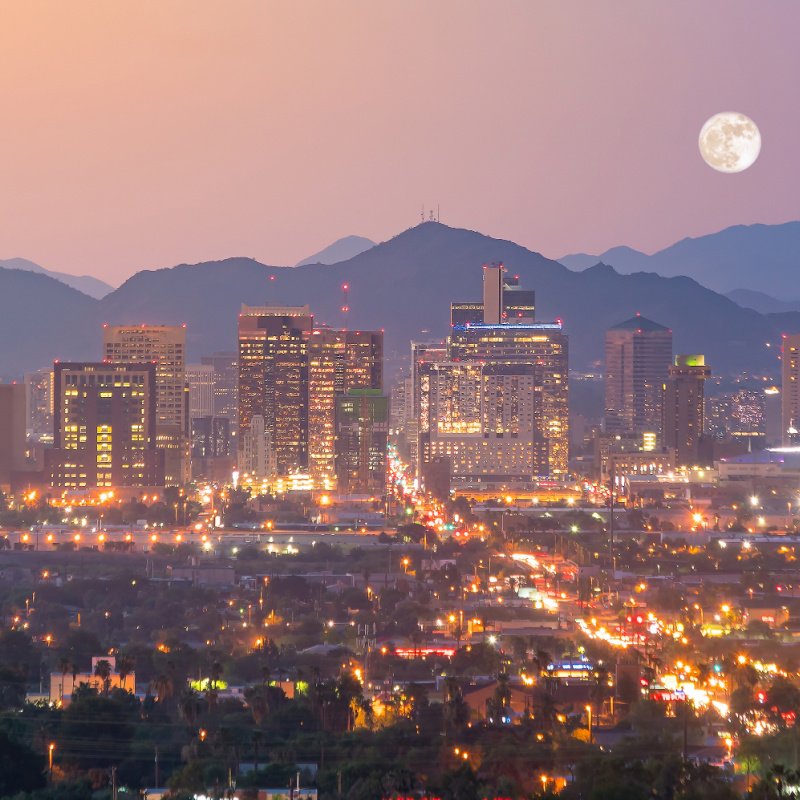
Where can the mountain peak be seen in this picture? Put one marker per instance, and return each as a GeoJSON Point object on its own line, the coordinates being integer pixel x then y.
{"type": "Point", "coordinates": [341, 250]}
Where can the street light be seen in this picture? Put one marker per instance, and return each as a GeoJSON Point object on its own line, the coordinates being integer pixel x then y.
{"type": "Point", "coordinates": [588, 710]}
{"type": "Point", "coordinates": [50, 748]}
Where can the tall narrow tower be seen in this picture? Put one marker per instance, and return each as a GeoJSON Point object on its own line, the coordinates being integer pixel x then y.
{"type": "Point", "coordinates": [492, 293]}
{"type": "Point", "coordinates": [684, 402]}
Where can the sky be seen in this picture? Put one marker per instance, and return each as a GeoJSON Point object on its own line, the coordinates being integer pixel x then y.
{"type": "Point", "coordinates": [147, 134]}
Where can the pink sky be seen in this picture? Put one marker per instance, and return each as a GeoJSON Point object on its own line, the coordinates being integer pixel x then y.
{"type": "Point", "coordinates": [140, 135]}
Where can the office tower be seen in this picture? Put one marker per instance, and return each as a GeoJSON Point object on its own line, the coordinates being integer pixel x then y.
{"type": "Point", "coordinates": [226, 384]}
{"type": "Point", "coordinates": [362, 429]}
{"type": "Point", "coordinates": [517, 305]}
{"type": "Point", "coordinates": [12, 432]}
{"type": "Point", "coordinates": [273, 379]}
{"type": "Point", "coordinates": [200, 379]}
{"type": "Point", "coordinates": [105, 427]}
{"type": "Point", "coordinates": [326, 355]}
{"type": "Point", "coordinates": [543, 346]}
{"type": "Point", "coordinates": [256, 453]}
{"type": "Point", "coordinates": [338, 361]}
{"type": "Point", "coordinates": [421, 353]}
{"type": "Point", "coordinates": [492, 294]}
{"type": "Point", "coordinates": [638, 356]}
{"type": "Point", "coordinates": [790, 389]}
{"type": "Point", "coordinates": [683, 408]}
{"type": "Point", "coordinates": [211, 437]}
{"type": "Point", "coordinates": [39, 398]}
{"type": "Point", "coordinates": [164, 345]}
{"type": "Point", "coordinates": [773, 416]}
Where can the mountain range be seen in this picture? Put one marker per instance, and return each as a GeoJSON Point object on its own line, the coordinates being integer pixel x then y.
{"type": "Point", "coordinates": [404, 285]}
{"type": "Point", "coordinates": [94, 287]}
{"type": "Point", "coordinates": [762, 258]}
{"type": "Point", "coordinates": [340, 250]}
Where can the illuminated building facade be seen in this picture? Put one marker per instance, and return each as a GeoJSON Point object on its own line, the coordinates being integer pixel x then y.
{"type": "Point", "coordinates": [226, 384]}
{"type": "Point", "coordinates": [273, 379]}
{"type": "Point", "coordinates": [790, 389]}
{"type": "Point", "coordinates": [338, 361]}
{"type": "Point", "coordinates": [421, 353]}
{"type": "Point", "coordinates": [165, 345]}
{"type": "Point", "coordinates": [39, 398]}
{"type": "Point", "coordinates": [105, 427]}
{"type": "Point", "coordinates": [200, 379]}
{"type": "Point", "coordinates": [362, 430]}
{"type": "Point", "coordinates": [684, 408]}
{"type": "Point", "coordinates": [544, 347]}
{"type": "Point", "coordinates": [494, 402]}
{"type": "Point", "coordinates": [638, 356]}
{"type": "Point", "coordinates": [256, 453]}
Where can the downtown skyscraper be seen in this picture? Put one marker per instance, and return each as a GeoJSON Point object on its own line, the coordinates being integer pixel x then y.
{"type": "Point", "coordinates": [496, 405]}
{"type": "Point", "coordinates": [290, 375]}
{"type": "Point", "coordinates": [638, 354]}
{"type": "Point", "coordinates": [165, 346]}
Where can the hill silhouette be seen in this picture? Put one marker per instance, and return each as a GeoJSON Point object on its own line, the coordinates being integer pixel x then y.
{"type": "Point", "coordinates": [404, 285]}
{"type": "Point", "coordinates": [763, 258]}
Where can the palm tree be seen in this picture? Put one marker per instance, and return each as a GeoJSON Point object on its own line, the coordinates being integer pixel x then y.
{"type": "Point", "coordinates": [102, 670]}
{"type": "Point", "coordinates": [189, 705]}
{"type": "Point", "coordinates": [64, 666]}
{"type": "Point", "coordinates": [124, 668]}
{"type": "Point", "coordinates": [163, 687]}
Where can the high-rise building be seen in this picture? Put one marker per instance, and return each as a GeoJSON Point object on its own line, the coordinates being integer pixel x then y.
{"type": "Point", "coordinates": [493, 403]}
{"type": "Point", "coordinates": [211, 437]}
{"type": "Point", "coordinates": [492, 294]}
{"type": "Point", "coordinates": [105, 427]}
{"type": "Point", "coordinates": [12, 432]}
{"type": "Point", "coordinates": [638, 356]}
{"type": "Point", "coordinates": [257, 455]}
{"type": "Point", "coordinates": [790, 389]}
{"type": "Point", "coordinates": [545, 347]}
{"type": "Point", "coordinates": [226, 384]}
{"type": "Point", "coordinates": [273, 379]}
{"type": "Point", "coordinates": [165, 346]}
{"type": "Point", "coordinates": [517, 305]}
{"type": "Point", "coordinates": [39, 397]}
{"type": "Point", "coordinates": [200, 379]}
{"type": "Point", "coordinates": [683, 408]}
{"type": "Point", "coordinates": [338, 361]}
{"type": "Point", "coordinates": [362, 429]}
{"type": "Point", "coordinates": [421, 353]}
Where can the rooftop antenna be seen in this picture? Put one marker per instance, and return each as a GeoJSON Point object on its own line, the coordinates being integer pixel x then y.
{"type": "Point", "coordinates": [422, 214]}
{"type": "Point", "coordinates": [437, 213]}
{"type": "Point", "coordinates": [431, 216]}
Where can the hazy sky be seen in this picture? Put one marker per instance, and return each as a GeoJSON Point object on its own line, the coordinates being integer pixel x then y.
{"type": "Point", "coordinates": [145, 134]}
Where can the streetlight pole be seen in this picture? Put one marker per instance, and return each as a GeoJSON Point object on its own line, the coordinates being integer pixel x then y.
{"type": "Point", "coordinates": [588, 710]}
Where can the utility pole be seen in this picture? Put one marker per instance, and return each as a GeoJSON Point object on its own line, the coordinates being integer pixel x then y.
{"type": "Point", "coordinates": [156, 784]}
{"type": "Point", "coordinates": [113, 783]}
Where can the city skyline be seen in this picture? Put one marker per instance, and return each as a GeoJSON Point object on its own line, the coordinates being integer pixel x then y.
{"type": "Point", "coordinates": [206, 114]}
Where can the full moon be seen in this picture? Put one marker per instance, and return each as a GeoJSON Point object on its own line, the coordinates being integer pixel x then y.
{"type": "Point", "coordinates": [730, 142]}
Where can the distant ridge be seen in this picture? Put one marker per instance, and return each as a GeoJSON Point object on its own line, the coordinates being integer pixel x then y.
{"type": "Point", "coordinates": [404, 285]}
{"type": "Point", "coordinates": [761, 258]}
{"type": "Point", "coordinates": [341, 250]}
{"type": "Point", "coordinates": [94, 287]}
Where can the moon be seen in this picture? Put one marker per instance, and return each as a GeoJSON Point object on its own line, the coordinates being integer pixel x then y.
{"type": "Point", "coordinates": [730, 142]}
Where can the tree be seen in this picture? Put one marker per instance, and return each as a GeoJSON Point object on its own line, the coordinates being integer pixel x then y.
{"type": "Point", "coordinates": [21, 769]}
{"type": "Point", "coordinates": [102, 670]}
